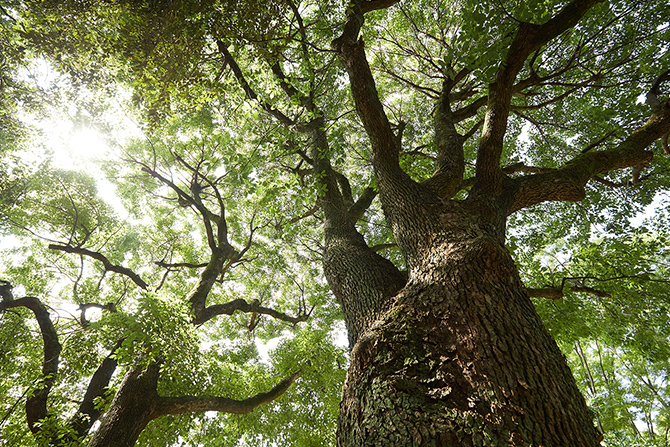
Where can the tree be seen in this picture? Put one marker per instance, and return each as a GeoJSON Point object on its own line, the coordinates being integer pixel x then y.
{"type": "Point", "coordinates": [475, 119]}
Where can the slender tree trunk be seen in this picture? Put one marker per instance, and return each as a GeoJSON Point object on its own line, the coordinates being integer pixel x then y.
{"type": "Point", "coordinates": [462, 358]}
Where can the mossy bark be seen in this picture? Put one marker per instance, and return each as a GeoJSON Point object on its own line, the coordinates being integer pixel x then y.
{"type": "Point", "coordinates": [461, 358]}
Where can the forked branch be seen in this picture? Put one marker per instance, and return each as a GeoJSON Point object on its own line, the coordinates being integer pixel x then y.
{"type": "Point", "coordinates": [109, 266]}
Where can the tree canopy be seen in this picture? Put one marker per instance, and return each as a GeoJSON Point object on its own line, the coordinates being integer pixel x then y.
{"type": "Point", "coordinates": [242, 144]}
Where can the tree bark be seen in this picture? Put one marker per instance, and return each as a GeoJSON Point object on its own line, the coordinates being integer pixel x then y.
{"type": "Point", "coordinates": [131, 409]}
{"type": "Point", "coordinates": [462, 358]}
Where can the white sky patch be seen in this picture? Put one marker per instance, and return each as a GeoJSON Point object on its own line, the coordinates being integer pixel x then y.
{"type": "Point", "coordinates": [86, 144]}
{"type": "Point", "coordinates": [265, 348]}
{"type": "Point", "coordinates": [660, 201]}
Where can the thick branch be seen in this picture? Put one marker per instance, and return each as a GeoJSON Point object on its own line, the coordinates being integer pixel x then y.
{"type": "Point", "coordinates": [373, 5]}
{"type": "Point", "coordinates": [192, 404]}
{"type": "Point", "coordinates": [87, 413]}
{"type": "Point", "coordinates": [385, 145]}
{"type": "Point", "coordinates": [105, 262]}
{"type": "Point", "coordinates": [198, 297]}
{"type": "Point", "coordinates": [528, 39]}
{"type": "Point", "coordinates": [36, 405]}
{"type": "Point", "coordinates": [447, 178]}
{"type": "Point", "coordinates": [6, 290]}
{"type": "Point", "coordinates": [568, 182]}
{"type": "Point", "coordinates": [357, 210]}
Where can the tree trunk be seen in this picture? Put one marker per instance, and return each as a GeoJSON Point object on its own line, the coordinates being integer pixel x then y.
{"type": "Point", "coordinates": [462, 358]}
{"type": "Point", "coordinates": [131, 409]}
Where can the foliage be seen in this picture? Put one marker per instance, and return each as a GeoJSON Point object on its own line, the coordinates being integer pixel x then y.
{"type": "Point", "coordinates": [197, 127]}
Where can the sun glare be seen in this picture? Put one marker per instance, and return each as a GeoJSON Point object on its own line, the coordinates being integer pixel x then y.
{"type": "Point", "coordinates": [85, 145]}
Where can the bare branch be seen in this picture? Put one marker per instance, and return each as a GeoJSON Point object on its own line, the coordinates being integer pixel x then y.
{"type": "Point", "coordinates": [253, 307]}
{"type": "Point", "coordinates": [179, 265]}
{"type": "Point", "coordinates": [251, 94]}
{"type": "Point", "coordinates": [88, 411]}
{"type": "Point", "coordinates": [204, 212]}
{"type": "Point", "coordinates": [192, 404]}
{"type": "Point", "coordinates": [105, 262]}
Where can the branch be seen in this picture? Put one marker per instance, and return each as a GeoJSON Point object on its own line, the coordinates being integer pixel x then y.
{"type": "Point", "coordinates": [88, 411]}
{"type": "Point", "coordinates": [306, 214]}
{"type": "Point", "coordinates": [364, 201]}
{"type": "Point", "coordinates": [253, 307]}
{"type": "Point", "coordinates": [447, 178]}
{"type": "Point", "coordinates": [192, 404]}
{"type": "Point", "coordinates": [556, 293]}
{"type": "Point", "coordinates": [385, 145]}
{"type": "Point", "coordinates": [204, 212]}
{"type": "Point", "coordinates": [36, 405]}
{"type": "Point", "coordinates": [529, 38]}
{"type": "Point", "coordinates": [374, 5]}
{"type": "Point", "coordinates": [568, 182]}
{"type": "Point", "coordinates": [380, 247]}
{"type": "Point", "coordinates": [652, 96]}
{"type": "Point", "coordinates": [111, 307]}
{"type": "Point", "coordinates": [198, 296]}
{"type": "Point", "coordinates": [105, 262]}
{"type": "Point", "coordinates": [6, 290]}
{"type": "Point", "coordinates": [251, 94]}
{"type": "Point", "coordinates": [179, 265]}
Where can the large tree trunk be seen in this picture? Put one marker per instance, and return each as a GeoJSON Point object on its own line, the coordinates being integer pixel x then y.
{"type": "Point", "coordinates": [131, 409]}
{"type": "Point", "coordinates": [462, 358]}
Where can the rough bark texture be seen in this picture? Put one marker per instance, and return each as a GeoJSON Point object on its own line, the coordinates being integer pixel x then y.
{"type": "Point", "coordinates": [131, 409]}
{"type": "Point", "coordinates": [462, 358]}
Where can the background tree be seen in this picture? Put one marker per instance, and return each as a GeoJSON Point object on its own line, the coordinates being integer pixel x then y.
{"type": "Point", "coordinates": [481, 122]}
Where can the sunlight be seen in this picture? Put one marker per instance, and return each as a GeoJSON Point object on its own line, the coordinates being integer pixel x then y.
{"type": "Point", "coordinates": [86, 145]}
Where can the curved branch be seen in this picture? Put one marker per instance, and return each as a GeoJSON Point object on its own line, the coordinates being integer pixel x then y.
{"type": "Point", "coordinates": [179, 265]}
{"type": "Point", "coordinates": [568, 182]}
{"type": "Point", "coordinates": [105, 262]}
{"type": "Point", "coordinates": [652, 96]}
{"type": "Point", "coordinates": [207, 216]}
{"type": "Point", "coordinates": [36, 405]}
{"type": "Point", "coordinates": [251, 94]}
{"type": "Point", "coordinates": [529, 38]}
{"type": "Point", "coordinates": [88, 411]}
{"type": "Point", "coordinates": [254, 307]}
{"type": "Point", "coordinates": [192, 404]}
